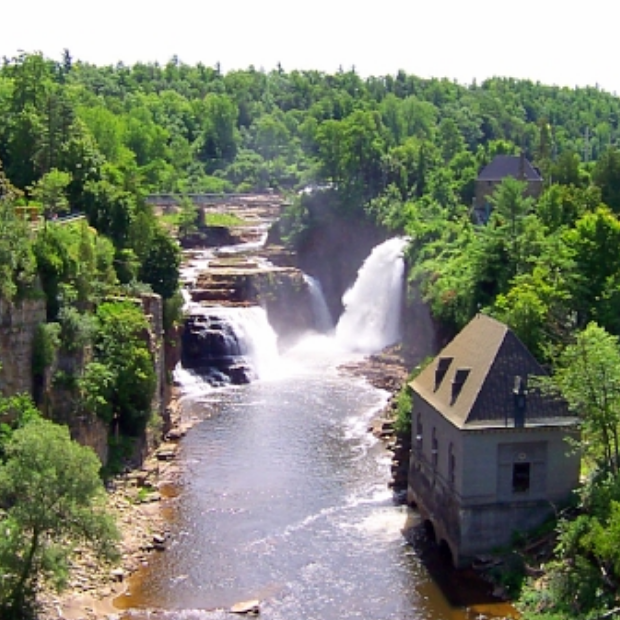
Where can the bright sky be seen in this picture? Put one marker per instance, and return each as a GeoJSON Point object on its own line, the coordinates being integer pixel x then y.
{"type": "Point", "coordinates": [565, 43]}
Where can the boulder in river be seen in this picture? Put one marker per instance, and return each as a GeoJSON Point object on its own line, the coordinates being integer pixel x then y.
{"type": "Point", "coordinates": [246, 607]}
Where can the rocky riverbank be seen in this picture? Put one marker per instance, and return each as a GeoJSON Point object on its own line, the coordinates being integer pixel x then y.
{"type": "Point", "coordinates": [138, 499]}
{"type": "Point", "coordinates": [388, 370]}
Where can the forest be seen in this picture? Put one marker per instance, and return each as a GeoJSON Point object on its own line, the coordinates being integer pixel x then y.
{"type": "Point", "coordinates": [400, 151]}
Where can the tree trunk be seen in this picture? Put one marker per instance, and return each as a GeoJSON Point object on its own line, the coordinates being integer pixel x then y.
{"type": "Point", "coordinates": [18, 596]}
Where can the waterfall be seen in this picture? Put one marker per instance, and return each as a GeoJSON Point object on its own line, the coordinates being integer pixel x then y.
{"type": "Point", "coordinates": [372, 306]}
{"type": "Point", "coordinates": [322, 317]}
{"type": "Point", "coordinates": [229, 345]}
{"type": "Point", "coordinates": [258, 341]}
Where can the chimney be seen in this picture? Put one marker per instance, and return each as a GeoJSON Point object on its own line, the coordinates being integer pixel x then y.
{"type": "Point", "coordinates": [443, 363]}
{"type": "Point", "coordinates": [460, 376]}
{"type": "Point", "coordinates": [522, 166]}
{"type": "Point", "coordinates": [519, 394]}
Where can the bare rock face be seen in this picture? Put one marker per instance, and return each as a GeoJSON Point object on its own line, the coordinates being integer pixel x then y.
{"type": "Point", "coordinates": [208, 344]}
{"type": "Point", "coordinates": [208, 237]}
{"type": "Point", "coordinates": [18, 326]}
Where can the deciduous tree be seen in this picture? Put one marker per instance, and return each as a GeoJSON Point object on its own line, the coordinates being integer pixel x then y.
{"type": "Point", "coordinates": [53, 498]}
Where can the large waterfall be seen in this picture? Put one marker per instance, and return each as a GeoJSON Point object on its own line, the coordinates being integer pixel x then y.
{"type": "Point", "coordinates": [238, 345]}
{"type": "Point", "coordinates": [371, 319]}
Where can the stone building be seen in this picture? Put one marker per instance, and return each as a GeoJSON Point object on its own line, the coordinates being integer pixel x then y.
{"type": "Point", "coordinates": [489, 454]}
{"type": "Point", "coordinates": [490, 177]}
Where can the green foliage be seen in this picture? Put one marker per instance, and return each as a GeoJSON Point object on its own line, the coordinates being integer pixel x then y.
{"type": "Point", "coordinates": [511, 574]}
{"type": "Point", "coordinates": [119, 384]}
{"type": "Point", "coordinates": [160, 267]}
{"type": "Point", "coordinates": [588, 376]}
{"type": "Point", "coordinates": [46, 343]}
{"type": "Point", "coordinates": [52, 499]}
{"type": "Point", "coordinates": [227, 220]}
{"type": "Point", "coordinates": [404, 404]}
{"type": "Point", "coordinates": [15, 412]}
{"type": "Point", "coordinates": [50, 191]}
{"type": "Point", "coordinates": [17, 263]}
{"type": "Point", "coordinates": [120, 451]}
{"type": "Point", "coordinates": [187, 218]}
{"type": "Point", "coordinates": [173, 311]}
{"type": "Point", "coordinates": [77, 330]}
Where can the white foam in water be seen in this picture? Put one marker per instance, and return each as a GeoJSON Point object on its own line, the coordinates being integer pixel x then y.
{"type": "Point", "coordinates": [384, 522]}
{"type": "Point", "coordinates": [371, 319]}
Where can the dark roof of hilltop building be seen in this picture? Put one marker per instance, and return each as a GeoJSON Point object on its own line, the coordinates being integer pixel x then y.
{"type": "Point", "coordinates": [475, 379]}
{"type": "Point", "coordinates": [515, 166]}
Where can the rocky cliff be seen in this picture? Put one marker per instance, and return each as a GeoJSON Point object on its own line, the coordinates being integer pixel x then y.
{"type": "Point", "coordinates": [18, 326]}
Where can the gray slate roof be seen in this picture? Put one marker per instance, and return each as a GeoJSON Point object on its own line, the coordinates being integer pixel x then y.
{"type": "Point", "coordinates": [508, 166]}
{"type": "Point", "coordinates": [494, 356]}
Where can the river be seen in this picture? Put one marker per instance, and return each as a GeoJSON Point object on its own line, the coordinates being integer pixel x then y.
{"type": "Point", "coordinates": [285, 499]}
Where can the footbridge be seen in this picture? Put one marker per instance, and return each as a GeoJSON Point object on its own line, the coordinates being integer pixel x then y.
{"type": "Point", "coordinates": [217, 200]}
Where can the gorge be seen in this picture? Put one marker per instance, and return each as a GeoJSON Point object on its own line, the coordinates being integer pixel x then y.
{"type": "Point", "coordinates": [284, 496]}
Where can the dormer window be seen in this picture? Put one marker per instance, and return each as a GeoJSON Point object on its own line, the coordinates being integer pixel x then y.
{"type": "Point", "coordinates": [419, 436]}
{"type": "Point", "coordinates": [443, 363]}
{"type": "Point", "coordinates": [460, 376]}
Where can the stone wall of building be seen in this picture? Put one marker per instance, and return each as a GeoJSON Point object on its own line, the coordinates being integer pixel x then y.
{"type": "Point", "coordinates": [462, 480]}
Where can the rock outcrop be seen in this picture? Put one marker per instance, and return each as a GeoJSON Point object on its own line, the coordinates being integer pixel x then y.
{"type": "Point", "coordinates": [210, 346]}
{"type": "Point", "coordinates": [246, 281]}
{"type": "Point", "coordinates": [18, 326]}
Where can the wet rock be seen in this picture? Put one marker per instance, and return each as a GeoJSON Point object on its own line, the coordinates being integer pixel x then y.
{"type": "Point", "coordinates": [159, 542]}
{"type": "Point", "coordinates": [166, 454]}
{"type": "Point", "coordinates": [246, 607]}
{"type": "Point", "coordinates": [117, 574]}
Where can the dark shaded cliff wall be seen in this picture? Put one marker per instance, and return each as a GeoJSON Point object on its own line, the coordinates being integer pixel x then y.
{"type": "Point", "coordinates": [334, 247]}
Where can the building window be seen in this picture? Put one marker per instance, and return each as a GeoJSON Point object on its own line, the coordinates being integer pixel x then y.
{"type": "Point", "coordinates": [520, 477]}
{"type": "Point", "coordinates": [451, 465]}
{"type": "Point", "coordinates": [435, 448]}
{"type": "Point", "coordinates": [419, 436]}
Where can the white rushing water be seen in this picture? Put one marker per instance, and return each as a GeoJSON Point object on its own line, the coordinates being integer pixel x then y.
{"type": "Point", "coordinates": [371, 319]}
{"type": "Point", "coordinates": [369, 323]}
{"type": "Point", "coordinates": [322, 316]}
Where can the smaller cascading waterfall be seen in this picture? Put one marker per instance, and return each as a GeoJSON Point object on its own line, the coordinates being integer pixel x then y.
{"type": "Point", "coordinates": [230, 345]}
{"type": "Point", "coordinates": [258, 341]}
{"type": "Point", "coordinates": [323, 322]}
{"type": "Point", "coordinates": [372, 306]}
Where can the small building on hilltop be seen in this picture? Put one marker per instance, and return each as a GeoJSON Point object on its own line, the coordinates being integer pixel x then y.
{"type": "Point", "coordinates": [490, 177]}
{"type": "Point", "coordinates": [489, 455]}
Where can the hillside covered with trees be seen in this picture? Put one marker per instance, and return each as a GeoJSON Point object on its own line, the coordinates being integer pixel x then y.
{"type": "Point", "coordinates": [400, 151]}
